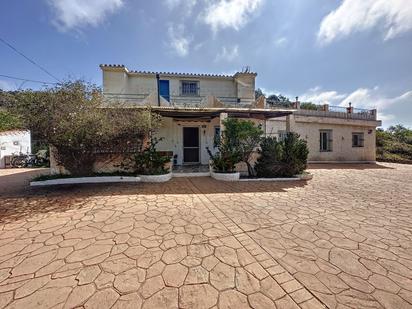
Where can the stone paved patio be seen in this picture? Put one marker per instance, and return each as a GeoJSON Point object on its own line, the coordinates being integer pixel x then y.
{"type": "Point", "coordinates": [341, 240]}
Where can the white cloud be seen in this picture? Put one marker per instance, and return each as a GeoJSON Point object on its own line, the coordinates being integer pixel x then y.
{"type": "Point", "coordinates": [374, 98]}
{"type": "Point", "coordinates": [234, 14]}
{"type": "Point", "coordinates": [179, 43]}
{"type": "Point", "coordinates": [186, 6]}
{"type": "Point", "coordinates": [367, 98]}
{"type": "Point", "coordinates": [393, 17]}
{"type": "Point", "coordinates": [6, 86]}
{"type": "Point", "coordinates": [281, 42]}
{"type": "Point", "coordinates": [76, 14]}
{"type": "Point", "coordinates": [317, 96]}
{"type": "Point", "coordinates": [228, 54]}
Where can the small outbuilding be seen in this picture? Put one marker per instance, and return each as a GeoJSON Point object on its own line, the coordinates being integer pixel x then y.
{"type": "Point", "coordinates": [13, 142]}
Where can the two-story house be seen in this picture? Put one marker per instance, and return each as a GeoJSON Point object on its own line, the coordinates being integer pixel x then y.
{"type": "Point", "coordinates": [194, 105]}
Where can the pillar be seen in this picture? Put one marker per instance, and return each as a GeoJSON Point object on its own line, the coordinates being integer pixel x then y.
{"type": "Point", "coordinates": [290, 123]}
{"type": "Point", "coordinates": [223, 117]}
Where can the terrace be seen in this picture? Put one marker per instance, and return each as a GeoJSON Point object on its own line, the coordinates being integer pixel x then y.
{"type": "Point", "coordinates": [184, 101]}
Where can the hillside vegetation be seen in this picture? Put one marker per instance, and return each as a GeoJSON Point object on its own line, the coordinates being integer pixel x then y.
{"type": "Point", "coordinates": [394, 144]}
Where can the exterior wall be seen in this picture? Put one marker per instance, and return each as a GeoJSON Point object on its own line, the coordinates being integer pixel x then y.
{"type": "Point", "coordinates": [139, 86]}
{"type": "Point", "coordinates": [342, 130]}
{"type": "Point", "coordinates": [172, 134]}
{"type": "Point", "coordinates": [7, 141]}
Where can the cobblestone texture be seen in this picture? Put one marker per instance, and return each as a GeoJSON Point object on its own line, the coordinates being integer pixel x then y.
{"type": "Point", "coordinates": [341, 240]}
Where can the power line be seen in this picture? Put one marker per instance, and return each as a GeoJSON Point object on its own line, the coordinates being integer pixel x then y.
{"type": "Point", "coordinates": [28, 59]}
{"type": "Point", "coordinates": [27, 80]}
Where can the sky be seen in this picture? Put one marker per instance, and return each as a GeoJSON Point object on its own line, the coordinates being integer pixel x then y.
{"type": "Point", "coordinates": [325, 51]}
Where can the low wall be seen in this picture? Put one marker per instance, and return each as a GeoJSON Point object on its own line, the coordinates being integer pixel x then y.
{"type": "Point", "coordinates": [105, 163]}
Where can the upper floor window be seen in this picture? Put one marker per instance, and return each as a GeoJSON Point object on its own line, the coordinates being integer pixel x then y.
{"type": "Point", "coordinates": [190, 88]}
{"type": "Point", "coordinates": [357, 139]}
{"type": "Point", "coordinates": [325, 137]}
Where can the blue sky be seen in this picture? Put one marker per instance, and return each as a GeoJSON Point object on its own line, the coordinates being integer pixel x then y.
{"type": "Point", "coordinates": [326, 51]}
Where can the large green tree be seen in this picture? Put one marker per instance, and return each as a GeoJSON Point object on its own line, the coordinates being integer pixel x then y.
{"type": "Point", "coordinates": [75, 119]}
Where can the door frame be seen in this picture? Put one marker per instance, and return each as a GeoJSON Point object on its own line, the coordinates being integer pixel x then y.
{"type": "Point", "coordinates": [183, 145]}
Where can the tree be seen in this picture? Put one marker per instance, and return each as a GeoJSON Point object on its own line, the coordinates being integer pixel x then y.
{"type": "Point", "coordinates": [74, 119]}
{"type": "Point", "coordinates": [278, 100]}
{"type": "Point", "coordinates": [258, 93]}
{"type": "Point", "coordinates": [9, 121]}
{"type": "Point", "coordinates": [308, 106]}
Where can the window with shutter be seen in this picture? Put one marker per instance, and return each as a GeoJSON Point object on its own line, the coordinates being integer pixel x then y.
{"type": "Point", "coordinates": [326, 141]}
{"type": "Point", "coordinates": [357, 139]}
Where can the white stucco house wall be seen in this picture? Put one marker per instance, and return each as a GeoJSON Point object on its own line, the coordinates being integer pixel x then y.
{"type": "Point", "coordinates": [194, 105]}
{"type": "Point", "coordinates": [14, 142]}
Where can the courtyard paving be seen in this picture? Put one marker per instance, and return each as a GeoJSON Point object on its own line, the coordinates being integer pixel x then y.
{"type": "Point", "coordinates": [341, 240]}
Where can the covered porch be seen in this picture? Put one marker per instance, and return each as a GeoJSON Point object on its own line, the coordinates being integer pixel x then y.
{"type": "Point", "coordinates": [189, 133]}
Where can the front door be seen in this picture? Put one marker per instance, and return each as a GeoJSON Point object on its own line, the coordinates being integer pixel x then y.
{"type": "Point", "coordinates": [164, 89]}
{"type": "Point", "coordinates": [191, 145]}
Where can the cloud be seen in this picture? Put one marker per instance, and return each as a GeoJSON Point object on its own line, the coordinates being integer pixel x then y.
{"type": "Point", "coordinates": [317, 96]}
{"type": "Point", "coordinates": [228, 54]}
{"type": "Point", "coordinates": [177, 41]}
{"type": "Point", "coordinates": [374, 98]}
{"type": "Point", "coordinates": [393, 17]}
{"type": "Point", "coordinates": [367, 98]}
{"type": "Point", "coordinates": [233, 14]}
{"type": "Point", "coordinates": [76, 14]}
{"type": "Point", "coordinates": [281, 42]}
{"type": "Point", "coordinates": [186, 6]}
{"type": "Point", "coordinates": [6, 86]}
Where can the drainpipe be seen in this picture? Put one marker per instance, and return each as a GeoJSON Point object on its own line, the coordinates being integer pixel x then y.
{"type": "Point", "coordinates": [158, 89]}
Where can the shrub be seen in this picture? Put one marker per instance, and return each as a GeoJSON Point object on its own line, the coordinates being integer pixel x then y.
{"type": "Point", "coordinates": [150, 161]}
{"type": "Point", "coordinates": [237, 143]}
{"type": "Point", "coordinates": [284, 158]}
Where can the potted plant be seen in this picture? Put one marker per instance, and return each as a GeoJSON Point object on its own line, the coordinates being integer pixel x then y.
{"type": "Point", "coordinates": [151, 165]}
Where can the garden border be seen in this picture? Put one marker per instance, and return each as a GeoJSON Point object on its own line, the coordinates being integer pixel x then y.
{"type": "Point", "coordinates": [232, 177]}
{"type": "Point", "coordinates": [84, 180]}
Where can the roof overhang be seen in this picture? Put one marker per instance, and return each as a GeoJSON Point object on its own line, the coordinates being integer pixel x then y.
{"type": "Point", "coordinates": [213, 112]}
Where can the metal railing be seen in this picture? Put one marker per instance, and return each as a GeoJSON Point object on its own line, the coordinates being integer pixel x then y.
{"type": "Point", "coordinates": [339, 113]}
{"type": "Point", "coordinates": [202, 101]}
{"type": "Point", "coordinates": [174, 100]}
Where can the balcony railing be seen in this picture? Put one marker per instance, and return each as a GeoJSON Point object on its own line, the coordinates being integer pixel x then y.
{"type": "Point", "coordinates": [174, 100]}
{"type": "Point", "coordinates": [202, 101]}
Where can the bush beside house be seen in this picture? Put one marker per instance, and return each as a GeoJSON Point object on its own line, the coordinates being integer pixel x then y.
{"type": "Point", "coordinates": [284, 158]}
{"type": "Point", "coordinates": [236, 144]}
{"type": "Point", "coordinates": [241, 138]}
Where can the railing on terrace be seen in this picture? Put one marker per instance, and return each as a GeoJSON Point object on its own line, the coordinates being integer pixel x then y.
{"type": "Point", "coordinates": [338, 112]}
{"type": "Point", "coordinates": [309, 109]}
{"type": "Point", "coordinates": [306, 109]}
{"type": "Point", "coordinates": [175, 100]}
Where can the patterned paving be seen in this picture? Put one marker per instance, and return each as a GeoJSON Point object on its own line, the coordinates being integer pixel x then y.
{"type": "Point", "coordinates": [342, 240]}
